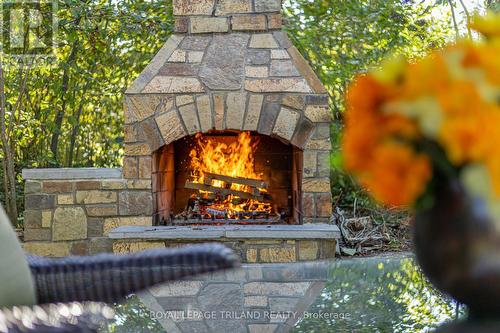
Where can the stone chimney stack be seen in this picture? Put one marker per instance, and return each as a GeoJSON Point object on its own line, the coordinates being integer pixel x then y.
{"type": "Point", "coordinates": [219, 16]}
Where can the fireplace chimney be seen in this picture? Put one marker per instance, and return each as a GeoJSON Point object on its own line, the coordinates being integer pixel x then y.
{"type": "Point", "coordinates": [205, 16]}
{"type": "Point", "coordinates": [230, 67]}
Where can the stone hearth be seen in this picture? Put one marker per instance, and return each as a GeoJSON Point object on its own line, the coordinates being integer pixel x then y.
{"type": "Point", "coordinates": [227, 69]}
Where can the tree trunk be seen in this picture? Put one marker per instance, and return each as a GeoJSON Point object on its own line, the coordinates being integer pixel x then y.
{"type": "Point", "coordinates": [54, 144]}
{"type": "Point", "coordinates": [8, 161]}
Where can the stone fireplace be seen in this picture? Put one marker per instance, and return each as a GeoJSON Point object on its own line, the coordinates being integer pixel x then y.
{"type": "Point", "coordinates": [228, 79]}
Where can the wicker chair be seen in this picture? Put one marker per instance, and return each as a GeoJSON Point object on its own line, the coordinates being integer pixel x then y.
{"type": "Point", "coordinates": [109, 278]}
{"type": "Point", "coordinates": [104, 278]}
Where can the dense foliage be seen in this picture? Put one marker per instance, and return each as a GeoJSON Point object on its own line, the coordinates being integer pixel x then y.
{"type": "Point", "coordinates": [68, 112]}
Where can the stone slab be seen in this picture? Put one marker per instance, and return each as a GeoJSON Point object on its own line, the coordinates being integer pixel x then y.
{"type": "Point", "coordinates": [71, 174]}
{"type": "Point", "coordinates": [316, 231]}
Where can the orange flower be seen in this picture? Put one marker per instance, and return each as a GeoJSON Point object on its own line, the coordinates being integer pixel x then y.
{"type": "Point", "coordinates": [488, 25]}
{"type": "Point", "coordinates": [398, 176]}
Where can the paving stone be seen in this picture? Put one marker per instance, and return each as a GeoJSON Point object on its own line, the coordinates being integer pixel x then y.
{"type": "Point", "coordinates": [277, 255]}
{"type": "Point", "coordinates": [184, 100]}
{"type": "Point", "coordinates": [143, 107]}
{"type": "Point", "coordinates": [267, 5]}
{"type": "Point", "coordinates": [310, 164]}
{"type": "Point", "coordinates": [193, 326]}
{"type": "Point", "coordinates": [221, 297]}
{"type": "Point", "coordinates": [256, 301]}
{"type": "Point", "coordinates": [190, 118]}
{"type": "Point", "coordinates": [31, 187]}
{"type": "Point", "coordinates": [44, 249]}
{"type": "Point", "coordinates": [130, 167]}
{"type": "Point", "coordinates": [324, 169]}
{"type": "Point", "coordinates": [225, 7]}
{"type": "Point", "coordinates": [209, 24]}
{"type": "Point", "coordinates": [323, 100]}
{"type": "Point", "coordinates": [236, 103]}
{"type": "Point", "coordinates": [306, 70]}
{"type": "Point", "coordinates": [95, 227]}
{"type": "Point", "coordinates": [268, 117]}
{"type": "Point", "coordinates": [88, 185]}
{"type": "Point", "coordinates": [293, 85]}
{"type": "Point", "coordinates": [133, 203]}
{"type": "Point", "coordinates": [253, 113]}
{"type": "Point", "coordinates": [134, 247]}
{"type": "Point", "coordinates": [263, 328]}
{"type": "Point", "coordinates": [95, 197]}
{"type": "Point", "coordinates": [137, 149]}
{"type": "Point", "coordinates": [316, 185]}
{"type": "Point", "coordinates": [100, 245]}
{"type": "Point", "coordinates": [65, 199]}
{"type": "Point", "coordinates": [249, 23]}
{"type": "Point", "coordinates": [69, 224]}
{"type": "Point", "coordinates": [33, 235]}
{"type": "Point", "coordinates": [282, 38]}
{"type": "Point", "coordinates": [303, 134]}
{"type": "Point", "coordinates": [205, 113]}
{"type": "Point", "coordinates": [286, 123]}
{"type": "Point", "coordinates": [177, 289]}
{"type": "Point", "coordinates": [293, 289]}
{"type": "Point", "coordinates": [283, 304]}
{"type": "Point", "coordinates": [220, 110]}
{"type": "Point", "coordinates": [57, 187]}
{"type": "Point", "coordinates": [251, 255]}
{"type": "Point", "coordinates": [279, 54]}
{"type": "Point", "coordinates": [178, 56]}
{"type": "Point", "coordinates": [40, 201]}
{"type": "Point", "coordinates": [195, 56]}
{"type": "Point", "coordinates": [322, 132]}
{"type": "Point", "coordinates": [181, 24]}
{"type": "Point", "coordinates": [308, 205]}
{"type": "Point", "coordinates": [308, 250]}
{"type": "Point", "coordinates": [170, 127]}
{"type": "Point", "coordinates": [47, 218]}
{"type": "Point", "coordinates": [283, 68]}
{"type": "Point", "coordinates": [274, 21]}
{"type": "Point", "coordinates": [193, 7]}
{"type": "Point", "coordinates": [325, 144]}
{"type": "Point", "coordinates": [319, 114]}
{"type": "Point", "coordinates": [179, 69]}
{"type": "Point", "coordinates": [258, 57]}
{"type": "Point", "coordinates": [32, 219]}
{"type": "Point", "coordinates": [223, 66]}
{"type": "Point", "coordinates": [115, 222]}
{"type": "Point", "coordinates": [263, 41]}
{"type": "Point", "coordinates": [256, 71]}
{"type": "Point", "coordinates": [324, 204]}
{"type": "Point", "coordinates": [174, 85]}
{"type": "Point", "coordinates": [102, 210]}
{"type": "Point", "coordinates": [149, 130]}
{"type": "Point", "coordinates": [195, 42]}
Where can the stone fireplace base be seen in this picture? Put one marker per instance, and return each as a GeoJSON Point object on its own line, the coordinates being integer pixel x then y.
{"type": "Point", "coordinates": [90, 211]}
{"type": "Point", "coordinates": [263, 244]}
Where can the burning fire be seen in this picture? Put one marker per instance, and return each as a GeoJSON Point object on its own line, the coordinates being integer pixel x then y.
{"type": "Point", "coordinates": [235, 160]}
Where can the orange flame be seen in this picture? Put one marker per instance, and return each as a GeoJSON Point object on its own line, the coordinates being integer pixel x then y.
{"type": "Point", "coordinates": [235, 160]}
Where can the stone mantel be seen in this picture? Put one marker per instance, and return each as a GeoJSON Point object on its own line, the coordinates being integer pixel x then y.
{"type": "Point", "coordinates": [285, 232]}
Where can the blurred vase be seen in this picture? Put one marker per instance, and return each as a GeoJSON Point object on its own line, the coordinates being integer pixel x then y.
{"type": "Point", "coordinates": [458, 247]}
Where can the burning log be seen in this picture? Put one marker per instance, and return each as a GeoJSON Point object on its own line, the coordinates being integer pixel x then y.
{"type": "Point", "coordinates": [256, 195]}
{"type": "Point", "coordinates": [253, 183]}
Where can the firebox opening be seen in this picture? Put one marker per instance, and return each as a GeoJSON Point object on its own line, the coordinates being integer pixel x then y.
{"type": "Point", "coordinates": [227, 177]}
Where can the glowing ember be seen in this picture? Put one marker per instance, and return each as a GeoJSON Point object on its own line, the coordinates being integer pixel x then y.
{"type": "Point", "coordinates": [235, 160]}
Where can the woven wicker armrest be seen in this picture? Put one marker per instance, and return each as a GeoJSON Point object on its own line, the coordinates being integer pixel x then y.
{"type": "Point", "coordinates": [110, 278]}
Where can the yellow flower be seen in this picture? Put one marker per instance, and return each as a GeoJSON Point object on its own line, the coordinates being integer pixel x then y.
{"type": "Point", "coordinates": [488, 25]}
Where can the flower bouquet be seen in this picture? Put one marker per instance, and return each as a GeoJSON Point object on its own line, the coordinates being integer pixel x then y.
{"type": "Point", "coordinates": [426, 135]}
